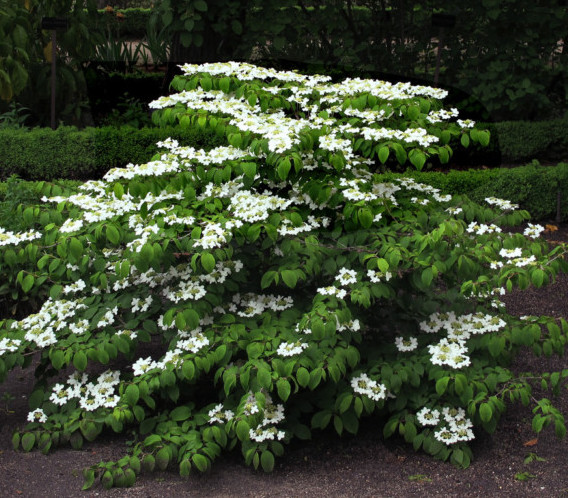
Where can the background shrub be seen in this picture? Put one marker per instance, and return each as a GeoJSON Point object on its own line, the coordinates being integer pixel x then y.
{"type": "Point", "coordinates": [45, 154]}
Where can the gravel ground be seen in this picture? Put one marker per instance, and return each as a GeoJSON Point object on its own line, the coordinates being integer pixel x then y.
{"type": "Point", "coordinates": [363, 465]}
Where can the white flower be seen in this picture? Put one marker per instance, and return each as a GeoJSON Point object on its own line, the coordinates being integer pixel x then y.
{"type": "Point", "coordinates": [370, 388]}
{"type": "Point", "coordinates": [409, 344]}
{"type": "Point", "coordinates": [446, 436]}
{"type": "Point", "coordinates": [346, 276]}
{"type": "Point", "coordinates": [37, 415]}
{"type": "Point", "coordinates": [511, 253]}
{"type": "Point", "coordinates": [217, 415]}
{"type": "Point", "coordinates": [533, 231]}
{"type": "Point", "coordinates": [143, 365]}
{"type": "Point", "coordinates": [291, 348]}
{"type": "Point", "coordinates": [428, 417]}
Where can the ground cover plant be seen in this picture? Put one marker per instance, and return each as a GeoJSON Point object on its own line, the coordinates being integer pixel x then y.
{"type": "Point", "coordinates": [281, 284]}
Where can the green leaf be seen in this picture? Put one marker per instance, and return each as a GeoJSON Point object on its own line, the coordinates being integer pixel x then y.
{"type": "Point", "coordinates": [184, 468]}
{"type": "Point", "coordinates": [112, 234]}
{"type": "Point", "coordinates": [290, 278]}
{"type": "Point", "coordinates": [80, 361]}
{"type": "Point", "coordinates": [264, 378]}
{"type": "Point", "coordinates": [537, 277]}
{"type": "Point", "coordinates": [249, 169]}
{"type": "Point", "coordinates": [268, 278]}
{"type": "Point", "coordinates": [28, 283]}
{"type": "Point", "coordinates": [132, 394]}
{"type": "Point", "coordinates": [243, 430]}
{"type": "Point", "coordinates": [484, 137]}
{"type": "Point", "coordinates": [284, 168]}
{"type": "Point", "coordinates": [75, 248]}
{"type": "Point", "coordinates": [267, 461]}
{"type": "Point", "coordinates": [303, 377]}
{"type": "Point", "coordinates": [465, 140]}
{"type": "Point", "coordinates": [384, 154]}
{"type": "Point", "coordinates": [180, 413]}
{"type": "Point", "coordinates": [441, 385]}
{"type": "Point", "coordinates": [200, 461]}
{"type": "Point", "coordinates": [208, 262]}
{"type": "Point", "coordinates": [28, 441]}
{"type": "Point", "coordinates": [163, 458]}
{"type": "Point", "coordinates": [485, 412]}
{"type": "Point", "coordinates": [427, 277]}
{"type": "Point", "coordinates": [284, 389]}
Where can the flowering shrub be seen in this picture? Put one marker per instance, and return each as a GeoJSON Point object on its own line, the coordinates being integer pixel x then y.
{"type": "Point", "coordinates": [280, 283]}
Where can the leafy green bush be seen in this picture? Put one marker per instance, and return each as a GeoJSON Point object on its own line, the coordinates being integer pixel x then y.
{"type": "Point", "coordinates": [283, 284]}
{"type": "Point", "coordinates": [45, 154]}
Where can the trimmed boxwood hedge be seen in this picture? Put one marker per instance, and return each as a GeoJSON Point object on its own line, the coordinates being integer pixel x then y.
{"type": "Point", "coordinates": [541, 190]}
{"type": "Point", "coordinates": [70, 153]}
{"type": "Point", "coordinates": [45, 154]}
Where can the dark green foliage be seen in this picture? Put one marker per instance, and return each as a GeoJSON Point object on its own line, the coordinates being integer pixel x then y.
{"type": "Point", "coordinates": [521, 141]}
{"type": "Point", "coordinates": [130, 23]}
{"type": "Point", "coordinates": [69, 153]}
{"type": "Point", "coordinates": [535, 188]}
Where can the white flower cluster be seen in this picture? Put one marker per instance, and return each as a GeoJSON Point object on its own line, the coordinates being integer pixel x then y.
{"type": "Point", "coordinates": [9, 345]}
{"type": "Point", "coordinates": [513, 257]}
{"type": "Point", "coordinates": [332, 291]}
{"type": "Point", "coordinates": [453, 354]}
{"type": "Point", "coordinates": [187, 342]}
{"type": "Point", "coordinates": [368, 387]}
{"type": "Point", "coordinates": [10, 238]}
{"type": "Point", "coordinates": [53, 316]}
{"type": "Point", "coordinates": [376, 276]}
{"type": "Point", "coordinates": [250, 304]}
{"type": "Point", "coordinates": [90, 395]}
{"type": "Point", "coordinates": [442, 115]}
{"type": "Point", "coordinates": [251, 207]}
{"type": "Point", "coordinates": [288, 228]}
{"type": "Point", "coordinates": [481, 229]}
{"type": "Point", "coordinates": [533, 231]}
{"type": "Point", "coordinates": [71, 226]}
{"type": "Point", "coordinates": [426, 416]}
{"type": "Point", "coordinates": [409, 136]}
{"type": "Point", "coordinates": [272, 415]}
{"type": "Point", "coordinates": [452, 350]}
{"type": "Point", "coordinates": [75, 287]}
{"type": "Point", "coordinates": [465, 123]}
{"type": "Point", "coordinates": [501, 203]}
{"type": "Point", "coordinates": [141, 305]}
{"type": "Point", "coordinates": [458, 428]}
{"type": "Point", "coordinates": [220, 416]}
{"type": "Point", "coordinates": [291, 348]}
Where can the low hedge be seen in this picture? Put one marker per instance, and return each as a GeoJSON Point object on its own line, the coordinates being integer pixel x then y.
{"type": "Point", "coordinates": [69, 153]}
{"type": "Point", "coordinates": [522, 141]}
{"type": "Point", "coordinates": [45, 154]}
{"type": "Point", "coordinates": [518, 142]}
{"type": "Point", "coordinates": [541, 190]}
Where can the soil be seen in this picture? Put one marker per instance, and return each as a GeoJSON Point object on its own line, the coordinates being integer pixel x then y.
{"type": "Point", "coordinates": [362, 465]}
